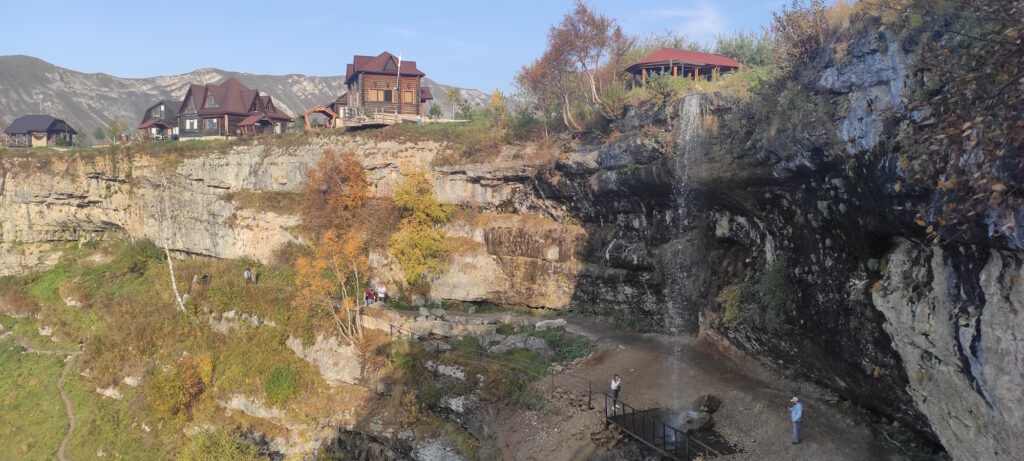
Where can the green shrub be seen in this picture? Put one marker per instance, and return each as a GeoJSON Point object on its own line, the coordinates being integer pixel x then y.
{"type": "Point", "coordinates": [173, 392]}
{"type": "Point", "coordinates": [280, 385]}
{"type": "Point", "coordinates": [732, 298]}
{"type": "Point", "coordinates": [219, 445]}
{"type": "Point", "coordinates": [505, 329]}
{"type": "Point", "coordinates": [776, 291]}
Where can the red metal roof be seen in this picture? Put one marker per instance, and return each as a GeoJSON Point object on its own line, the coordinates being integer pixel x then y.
{"type": "Point", "coordinates": [666, 55]}
{"type": "Point", "coordinates": [154, 121]}
{"type": "Point", "coordinates": [425, 94]}
{"type": "Point", "coordinates": [251, 120]}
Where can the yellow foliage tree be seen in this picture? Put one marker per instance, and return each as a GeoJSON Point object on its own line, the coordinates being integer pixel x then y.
{"type": "Point", "coordinates": [419, 245]}
{"type": "Point", "coordinates": [335, 190]}
{"type": "Point", "coordinates": [339, 260]}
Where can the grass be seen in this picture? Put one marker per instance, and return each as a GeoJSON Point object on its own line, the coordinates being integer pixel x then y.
{"type": "Point", "coordinates": [476, 141]}
{"type": "Point", "coordinates": [131, 325]}
{"type": "Point", "coordinates": [33, 420]}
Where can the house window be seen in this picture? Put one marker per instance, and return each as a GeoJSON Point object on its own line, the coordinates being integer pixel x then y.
{"type": "Point", "coordinates": [379, 96]}
{"type": "Point", "coordinates": [191, 124]}
{"type": "Point", "coordinates": [210, 124]}
{"type": "Point", "coordinates": [210, 102]}
{"type": "Point", "coordinates": [407, 97]}
{"type": "Point", "coordinates": [191, 108]}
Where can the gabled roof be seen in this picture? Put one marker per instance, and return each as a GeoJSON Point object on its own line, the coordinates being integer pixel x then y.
{"type": "Point", "coordinates": [384, 63]}
{"type": "Point", "coordinates": [341, 101]}
{"type": "Point", "coordinates": [232, 97]}
{"type": "Point", "coordinates": [38, 123]}
{"type": "Point", "coordinates": [425, 94]}
{"type": "Point", "coordinates": [693, 58]}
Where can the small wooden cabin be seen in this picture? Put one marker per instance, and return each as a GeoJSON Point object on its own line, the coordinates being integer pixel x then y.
{"type": "Point", "coordinates": [682, 63]}
{"type": "Point", "coordinates": [383, 84]}
{"type": "Point", "coordinates": [39, 131]}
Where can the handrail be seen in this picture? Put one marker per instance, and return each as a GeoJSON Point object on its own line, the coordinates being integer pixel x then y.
{"type": "Point", "coordinates": [678, 437]}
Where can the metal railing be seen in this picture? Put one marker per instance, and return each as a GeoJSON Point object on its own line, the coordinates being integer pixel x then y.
{"type": "Point", "coordinates": [638, 424]}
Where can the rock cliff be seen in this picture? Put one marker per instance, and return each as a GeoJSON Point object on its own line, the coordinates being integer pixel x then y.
{"type": "Point", "coordinates": [779, 225]}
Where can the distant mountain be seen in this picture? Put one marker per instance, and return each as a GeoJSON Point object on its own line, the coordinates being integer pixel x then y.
{"type": "Point", "coordinates": [30, 85]}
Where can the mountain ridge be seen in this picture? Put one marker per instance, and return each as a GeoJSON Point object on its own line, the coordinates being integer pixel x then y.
{"type": "Point", "coordinates": [30, 85]}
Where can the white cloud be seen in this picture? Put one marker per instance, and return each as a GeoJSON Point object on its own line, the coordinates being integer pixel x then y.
{"type": "Point", "coordinates": [702, 21]}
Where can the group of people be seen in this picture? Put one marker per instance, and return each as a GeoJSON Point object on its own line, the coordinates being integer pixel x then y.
{"type": "Point", "coordinates": [370, 296]}
{"type": "Point", "coordinates": [796, 409]}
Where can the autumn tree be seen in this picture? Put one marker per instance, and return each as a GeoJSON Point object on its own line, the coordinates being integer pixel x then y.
{"type": "Point", "coordinates": [339, 260]}
{"type": "Point", "coordinates": [334, 192]}
{"type": "Point", "coordinates": [583, 55]}
{"type": "Point", "coordinates": [333, 200]}
{"type": "Point", "coordinates": [419, 245]}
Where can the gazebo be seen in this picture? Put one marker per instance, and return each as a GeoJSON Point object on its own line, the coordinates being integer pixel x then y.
{"type": "Point", "coordinates": [682, 63]}
{"type": "Point", "coordinates": [319, 109]}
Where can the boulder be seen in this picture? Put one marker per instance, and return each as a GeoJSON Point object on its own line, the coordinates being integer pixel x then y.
{"type": "Point", "coordinates": [434, 345]}
{"type": "Point", "coordinates": [706, 403]}
{"type": "Point", "coordinates": [521, 341]}
{"type": "Point", "coordinates": [548, 324]}
{"type": "Point", "coordinates": [694, 421]}
{"type": "Point", "coordinates": [338, 362]}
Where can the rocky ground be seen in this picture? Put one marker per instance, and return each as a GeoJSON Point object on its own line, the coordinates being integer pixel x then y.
{"type": "Point", "coordinates": [661, 371]}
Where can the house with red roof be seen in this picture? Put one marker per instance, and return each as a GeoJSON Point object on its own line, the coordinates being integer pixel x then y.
{"type": "Point", "coordinates": [384, 84]}
{"type": "Point", "coordinates": [228, 109]}
{"type": "Point", "coordinates": [682, 63]}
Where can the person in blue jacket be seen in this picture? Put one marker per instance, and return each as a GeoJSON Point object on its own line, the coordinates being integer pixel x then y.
{"type": "Point", "coordinates": [796, 414]}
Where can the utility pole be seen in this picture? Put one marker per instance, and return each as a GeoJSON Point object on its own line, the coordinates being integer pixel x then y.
{"type": "Point", "coordinates": [398, 83]}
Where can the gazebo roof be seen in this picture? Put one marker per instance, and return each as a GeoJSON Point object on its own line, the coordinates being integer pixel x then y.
{"type": "Point", "coordinates": [665, 56]}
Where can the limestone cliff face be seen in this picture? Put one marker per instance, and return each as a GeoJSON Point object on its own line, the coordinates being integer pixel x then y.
{"type": "Point", "coordinates": [817, 265]}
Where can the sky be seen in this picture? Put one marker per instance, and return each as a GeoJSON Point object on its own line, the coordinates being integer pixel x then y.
{"type": "Point", "coordinates": [471, 44]}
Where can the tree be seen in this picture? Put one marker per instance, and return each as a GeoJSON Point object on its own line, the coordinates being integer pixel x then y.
{"type": "Point", "coordinates": [454, 97]}
{"type": "Point", "coordinates": [99, 135]}
{"type": "Point", "coordinates": [116, 129]}
{"type": "Point", "coordinates": [333, 192]}
{"type": "Point", "coordinates": [498, 105]}
{"type": "Point", "coordinates": [435, 111]}
{"type": "Point", "coordinates": [584, 52]}
{"type": "Point", "coordinates": [339, 260]}
{"type": "Point", "coordinates": [419, 245]}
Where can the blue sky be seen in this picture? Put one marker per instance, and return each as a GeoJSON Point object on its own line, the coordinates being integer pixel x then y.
{"type": "Point", "coordinates": [476, 44]}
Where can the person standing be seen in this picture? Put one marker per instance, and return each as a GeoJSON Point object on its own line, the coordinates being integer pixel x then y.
{"type": "Point", "coordinates": [796, 414]}
{"type": "Point", "coordinates": [382, 294]}
{"type": "Point", "coordinates": [247, 275]}
{"type": "Point", "coordinates": [616, 387]}
{"type": "Point", "coordinates": [367, 296]}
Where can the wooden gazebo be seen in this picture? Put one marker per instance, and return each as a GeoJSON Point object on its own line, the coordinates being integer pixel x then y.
{"type": "Point", "coordinates": [682, 63]}
{"type": "Point", "coordinates": [321, 110]}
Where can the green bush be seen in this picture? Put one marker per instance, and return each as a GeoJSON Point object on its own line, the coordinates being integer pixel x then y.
{"type": "Point", "coordinates": [280, 385]}
{"type": "Point", "coordinates": [732, 299]}
{"type": "Point", "coordinates": [776, 290]}
{"type": "Point", "coordinates": [219, 445]}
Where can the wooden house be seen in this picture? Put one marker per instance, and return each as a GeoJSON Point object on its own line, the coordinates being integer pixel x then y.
{"type": "Point", "coordinates": [39, 131]}
{"type": "Point", "coordinates": [228, 109]}
{"type": "Point", "coordinates": [160, 121]}
{"type": "Point", "coordinates": [682, 63]}
{"type": "Point", "coordinates": [339, 106]}
{"type": "Point", "coordinates": [383, 84]}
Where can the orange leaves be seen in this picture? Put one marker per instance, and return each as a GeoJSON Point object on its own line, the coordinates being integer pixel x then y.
{"type": "Point", "coordinates": [334, 191]}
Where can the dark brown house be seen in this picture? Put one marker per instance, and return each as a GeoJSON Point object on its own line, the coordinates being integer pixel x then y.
{"type": "Point", "coordinates": [39, 130]}
{"type": "Point", "coordinates": [383, 84]}
{"type": "Point", "coordinates": [228, 109]}
{"type": "Point", "coordinates": [160, 121]}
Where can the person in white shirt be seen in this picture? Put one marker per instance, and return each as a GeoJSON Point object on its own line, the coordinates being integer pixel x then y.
{"type": "Point", "coordinates": [382, 294]}
{"type": "Point", "coordinates": [616, 387]}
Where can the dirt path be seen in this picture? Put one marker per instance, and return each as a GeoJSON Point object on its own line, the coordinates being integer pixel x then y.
{"type": "Point", "coordinates": [67, 405]}
{"type": "Point", "coordinates": [662, 371]}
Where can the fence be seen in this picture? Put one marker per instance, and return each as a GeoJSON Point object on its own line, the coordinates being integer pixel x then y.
{"type": "Point", "coordinates": [643, 425]}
